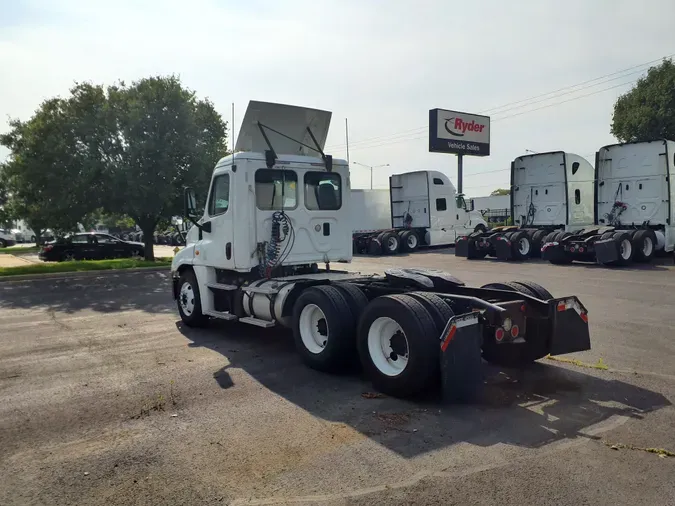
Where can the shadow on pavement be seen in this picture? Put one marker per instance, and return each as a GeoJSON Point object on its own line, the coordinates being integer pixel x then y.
{"type": "Point", "coordinates": [528, 408]}
{"type": "Point", "coordinates": [107, 293]}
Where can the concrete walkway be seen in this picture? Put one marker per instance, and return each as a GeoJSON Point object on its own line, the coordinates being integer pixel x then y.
{"type": "Point", "coordinates": [13, 261]}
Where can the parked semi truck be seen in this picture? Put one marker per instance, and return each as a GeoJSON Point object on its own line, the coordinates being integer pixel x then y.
{"type": "Point", "coordinates": [633, 201]}
{"type": "Point", "coordinates": [276, 211]}
{"type": "Point", "coordinates": [551, 194]}
{"type": "Point", "coordinates": [425, 210]}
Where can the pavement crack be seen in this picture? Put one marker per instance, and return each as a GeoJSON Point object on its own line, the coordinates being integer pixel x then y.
{"type": "Point", "coordinates": [52, 316]}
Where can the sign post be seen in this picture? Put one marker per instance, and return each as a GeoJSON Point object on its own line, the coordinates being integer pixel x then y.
{"type": "Point", "coordinates": [459, 133]}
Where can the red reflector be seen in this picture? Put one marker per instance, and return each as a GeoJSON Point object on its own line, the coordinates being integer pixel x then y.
{"type": "Point", "coordinates": [49, 247]}
{"type": "Point", "coordinates": [584, 317]}
{"type": "Point", "coordinates": [523, 308]}
{"type": "Point", "coordinates": [561, 306]}
{"type": "Point", "coordinates": [581, 249]}
{"type": "Point", "coordinates": [514, 331]}
{"type": "Point", "coordinates": [499, 334]}
{"type": "Point", "coordinates": [448, 338]}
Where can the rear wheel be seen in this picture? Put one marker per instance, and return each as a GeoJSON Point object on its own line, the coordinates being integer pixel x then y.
{"type": "Point", "coordinates": [323, 328]}
{"type": "Point", "coordinates": [355, 298]}
{"type": "Point", "coordinates": [539, 291]}
{"type": "Point", "coordinates": [521, 245]}
{"type": "Point", "coordinates": [68, 256]}
{"type": "Point", "coordinates": [409, 241]}
{"type": "Point", "coordinates": [398, 345]}
{"type": "Point", "coordinates": [625, 247]}
{"type": "Point", "coordinates": [3, 243]}
{"type": "Point", "coordinates": [644, 244]}
{"type": "Point", "coordinates": [189, 301]}
{"type": "Point", "coordinates": [439, 311]}
{"type": "Point", "coordinates": [514, 354]}
{"type": "Point", "coordinates": [390, 243]}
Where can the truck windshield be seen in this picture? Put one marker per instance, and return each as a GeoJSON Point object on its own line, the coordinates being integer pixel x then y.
{"type": "Point", "coordinates": [274, 188]}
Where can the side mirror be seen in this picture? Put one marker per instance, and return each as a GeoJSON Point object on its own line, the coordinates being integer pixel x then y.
{"type": "Point", "coordinates": [473, 205]}
{"type": "Point", "coordinates": [190, 203]}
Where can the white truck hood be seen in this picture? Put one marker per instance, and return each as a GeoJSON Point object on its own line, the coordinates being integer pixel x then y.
{"type": "Point", "coordinates": [290, 120]}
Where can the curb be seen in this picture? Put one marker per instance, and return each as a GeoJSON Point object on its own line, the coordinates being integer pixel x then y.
{"type": "Point", "coordinates": [79, 274]}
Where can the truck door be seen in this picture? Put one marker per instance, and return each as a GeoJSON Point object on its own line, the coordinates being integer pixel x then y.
{"type": "Point", "coordinates": [216, 248]}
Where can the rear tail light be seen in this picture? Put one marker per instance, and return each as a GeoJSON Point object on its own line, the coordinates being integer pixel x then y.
{"type": "Point", "coordinates": [48, 247]}
{"type": "Point", "coordinates": [499, 334]}
{"type": "Point", "coordinates": [507, 324]}
{"type": "Point", "coordinates": [515, 331]}
{"type": "Point", "coordinates": [581, 249]}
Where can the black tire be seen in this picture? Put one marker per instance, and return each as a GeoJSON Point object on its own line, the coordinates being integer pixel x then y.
{"type": "Point", "coordinates": [550, 236]}
{"type": "Point", "coordinates": [390, 242]}
{"type": "Point", "coordinates": [521, 245]}
{"type": "Point", "coordinates": [480, 228]}
{"type": "Point", "coordinates": [539, 291]}
{"type": "Point", "coordinates": [516, 354]}
{"type": "Point", "coordinates": [192, 314]}
{"type": "Point", "coordinates": [374, 247]}
{"type": "Point", "coordinates": [419, 333]}
{"type": "Point", "coordinates": [334, 321]}
{"type": "Point", "coordinates": [644, 245]}
{"type": "Point", "coordinates": [510, 286]}
{"type": "Point", "coordinates": [440, 312]}
{"type": "Point", "coordinates": [355, 298]}
{"type": "Point", "coordinates": [606, 235]}
{"type": "Point", "coordinates": [537, 241]}
{"type": "Point", "coordinates": [409, 241]}
{"type": "Point", "coordinates": [68, 256]}
{"type": "Point", "coordinates": [625, 247]}
{"type": "Point", "coordinates": [3, 243]}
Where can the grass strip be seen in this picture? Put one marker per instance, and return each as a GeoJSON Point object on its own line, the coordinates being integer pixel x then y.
{"type": "Point", "coordinates": [83, 265]}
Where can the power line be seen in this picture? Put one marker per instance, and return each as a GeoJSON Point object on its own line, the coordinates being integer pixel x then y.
{"type": "Point", "coordinates": [513, 105]}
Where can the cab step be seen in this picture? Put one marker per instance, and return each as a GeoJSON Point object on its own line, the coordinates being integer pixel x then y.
{"type": "Point", "coordinates": [221, 315]}
{"type": "Point", "coordinates": [257, 322]}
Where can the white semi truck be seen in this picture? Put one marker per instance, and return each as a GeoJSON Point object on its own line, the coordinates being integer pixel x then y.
{"type": "Point", "coordinates": [274, 213]}
{"type": "Point", "coordinates": [551, 194]}
{"type": "Point", "coordinates": [633, 202]}
{"type": "Point", "coordinates": [425, 210]}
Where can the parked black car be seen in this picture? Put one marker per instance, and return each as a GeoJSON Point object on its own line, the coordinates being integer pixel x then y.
{"type": "Point", "coordinates": [90, 246]}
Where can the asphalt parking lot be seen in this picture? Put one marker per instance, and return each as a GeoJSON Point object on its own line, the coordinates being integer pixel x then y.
{"type": "Point", "coordinates": [108, 399]}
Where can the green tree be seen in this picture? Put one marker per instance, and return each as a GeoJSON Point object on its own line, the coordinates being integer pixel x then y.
{"type": "Point", "coordinates": [56, 168]}
{"type": "Point", "coordinates": [163, 140]}
{"type": "Point", "coordinates": [647, 111]}
{"type": "Point", "coordinates": [500, 191]}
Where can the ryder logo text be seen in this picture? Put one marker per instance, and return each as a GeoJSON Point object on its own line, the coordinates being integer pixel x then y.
{"type": "Point", "coordinates": [458, 127]}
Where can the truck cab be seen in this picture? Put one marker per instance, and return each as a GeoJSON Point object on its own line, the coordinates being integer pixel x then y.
{"type": "Point", "coordinates": [426, 200]}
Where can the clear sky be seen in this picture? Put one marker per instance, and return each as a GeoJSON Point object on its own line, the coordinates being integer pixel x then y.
{"type": "Point", "coordinates": [381, 64]}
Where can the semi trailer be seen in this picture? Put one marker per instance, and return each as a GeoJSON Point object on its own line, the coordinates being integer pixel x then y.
{"type": "Point", "coordinates": [277, 217]}
{"type": "Point", "coordinates": [551, 193]}
{"type": "Point", "coordinates": [425, 210]}
{"type": "Point", "coordinates": [634, 214]}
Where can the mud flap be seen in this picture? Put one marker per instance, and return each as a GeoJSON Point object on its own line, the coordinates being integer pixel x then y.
{"type": "Point", "coordinates": [606, 251]}
{"type": "Point", "coordinates": [553, 252]}
{"type": "Point", "coordinates": [503, 248]}
{"type": "Point", "coordinates": [569, 329]}
{"type": "Point", "coordinates": [461, 363]}
{"type": "Point", "coordinates": [462, 247]}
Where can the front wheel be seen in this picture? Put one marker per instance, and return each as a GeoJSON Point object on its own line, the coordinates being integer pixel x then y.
{"type": "Point", "coordinates": [3, 243]}
{"type": "Point", "coordinates": [189, 301]}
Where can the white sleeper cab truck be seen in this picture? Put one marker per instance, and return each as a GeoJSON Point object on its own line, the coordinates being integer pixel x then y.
{"type": "Point", "coordinates": [425, 211]}
{"type": "Point", "coordinates": [277, 215]}
{"type": "Point", "coordinates": [633, 208]}
{"type": "Point", "coordinates": [551, 195]}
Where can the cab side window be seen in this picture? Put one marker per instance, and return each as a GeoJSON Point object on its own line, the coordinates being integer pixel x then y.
{"type": "Point", "coordinates": [219, 201]}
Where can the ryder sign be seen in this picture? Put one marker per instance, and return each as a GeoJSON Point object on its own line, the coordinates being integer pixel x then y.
{"type": "Point", "coordinates": [459, 133]}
